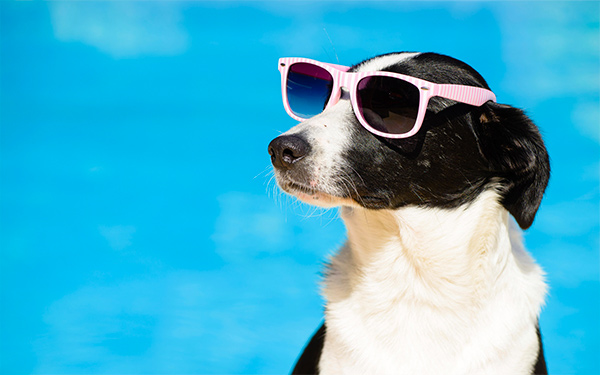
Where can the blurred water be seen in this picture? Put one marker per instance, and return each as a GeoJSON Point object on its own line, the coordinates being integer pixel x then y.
{"type": "Point", "coordinates": [141, 232]}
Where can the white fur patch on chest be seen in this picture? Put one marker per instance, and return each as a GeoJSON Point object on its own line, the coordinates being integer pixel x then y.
{"type": "Point", "coordinates": [432, 291]}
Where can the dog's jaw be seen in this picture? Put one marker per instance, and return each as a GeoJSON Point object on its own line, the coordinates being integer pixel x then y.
{"type": "Point", "coordinates": [313, 196]}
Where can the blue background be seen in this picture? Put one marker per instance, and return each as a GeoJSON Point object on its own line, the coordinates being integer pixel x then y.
{"type": "Point", "coordinates": [141, 229]}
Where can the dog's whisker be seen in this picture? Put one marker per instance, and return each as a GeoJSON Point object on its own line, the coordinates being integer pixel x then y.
{"type": "Point", "coordinates": [356, 173]}
{"type": "Point", "coordinates": [347, 180]}
{"type": "Point", "coordinates": [414, 190]}
{"type": "Point", "coordinates": [271, 181]}
{"type": "Point", "coordinates": [352, 185]}
{"type": "Point", "coordinates": [266, 171]}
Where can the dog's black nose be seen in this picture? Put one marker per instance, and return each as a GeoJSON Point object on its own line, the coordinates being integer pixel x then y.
{"type": "Point", "coordinates": [286, 150]}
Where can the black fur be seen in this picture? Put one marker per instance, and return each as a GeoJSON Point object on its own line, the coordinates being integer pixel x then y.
{"type": "Point", "coordinates": [515, 151]}
{"type": "Point", "coordinates": [308, 362]}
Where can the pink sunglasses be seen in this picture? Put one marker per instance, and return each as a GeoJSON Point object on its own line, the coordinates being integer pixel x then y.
{"type": "Point", "coordinates": [387, 104]}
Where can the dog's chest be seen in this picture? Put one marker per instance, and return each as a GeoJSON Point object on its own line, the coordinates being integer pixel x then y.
{"type": "Point", "coordinates": [373, 331]}
{"type": "Point", "coordinates": [391, 319]}
{"type": "Point", "coordinates": [408, 338]}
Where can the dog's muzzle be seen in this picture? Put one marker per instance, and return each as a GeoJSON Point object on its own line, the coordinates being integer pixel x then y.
{"type": "Point", "coordinates": [297, 173]}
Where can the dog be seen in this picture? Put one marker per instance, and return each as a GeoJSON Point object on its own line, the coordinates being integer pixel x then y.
{"type": "Point", "coordinates": [434, 277]}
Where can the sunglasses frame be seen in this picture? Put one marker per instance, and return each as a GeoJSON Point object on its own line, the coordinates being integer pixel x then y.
{"type": "Point", "coordinates": [475, 96]}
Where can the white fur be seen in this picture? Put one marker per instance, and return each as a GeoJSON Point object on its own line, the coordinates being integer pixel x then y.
{"type": "Point", "coordinates": [432, 291]}
{"type": "Point", "coordinates": [385, 61]}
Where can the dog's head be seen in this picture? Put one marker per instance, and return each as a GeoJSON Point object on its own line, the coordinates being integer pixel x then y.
{"type": "Point", "coordinates": [459, 152]}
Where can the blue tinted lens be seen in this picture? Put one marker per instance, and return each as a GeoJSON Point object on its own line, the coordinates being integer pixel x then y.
{"type": "Point", "coordinates": [308, 89]}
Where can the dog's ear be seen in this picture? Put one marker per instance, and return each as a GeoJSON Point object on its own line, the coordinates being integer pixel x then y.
{"type": "Point", "coordinates": [513, 147]}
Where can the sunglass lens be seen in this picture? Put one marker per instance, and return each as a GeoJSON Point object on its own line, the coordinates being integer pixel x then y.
{"type": "Point", "coordinates": [308, 89]}
{"type": "Point", "coordinates": [388, 104]}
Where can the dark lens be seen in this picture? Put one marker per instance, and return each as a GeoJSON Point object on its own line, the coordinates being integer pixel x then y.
{"type": "Point", "coordinates": [388, 104]}
{"type": "Point", "coordinates": [308, 89]}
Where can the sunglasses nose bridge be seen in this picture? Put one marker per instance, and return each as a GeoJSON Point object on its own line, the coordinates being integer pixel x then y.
{"type": "Point", "coordinates": [337, 94]}
{"type": "Point", "coordinates": [345, 92]}
{"type": "Point", "coordinates": [341, 91]}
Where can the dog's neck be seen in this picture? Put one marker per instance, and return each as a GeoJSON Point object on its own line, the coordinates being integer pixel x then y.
{"type": "Point", "coordinates": [416, 290]}
{"type": "Point", "coordinates": [440, 257]}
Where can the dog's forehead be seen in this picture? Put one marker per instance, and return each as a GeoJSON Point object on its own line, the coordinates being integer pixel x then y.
{"type": "Point", "coordinates": [384, 61]}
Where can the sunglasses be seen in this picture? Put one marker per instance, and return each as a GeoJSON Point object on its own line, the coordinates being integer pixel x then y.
{"type": "Point", "coordinates": [387, 104]}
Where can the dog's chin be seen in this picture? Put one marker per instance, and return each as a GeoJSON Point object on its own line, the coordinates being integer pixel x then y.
{"type": "Point", "coordinates": [314, 196]}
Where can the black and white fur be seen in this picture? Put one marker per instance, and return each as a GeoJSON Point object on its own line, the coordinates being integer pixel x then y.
{"type": "Point", "coordinates": [434, 278]}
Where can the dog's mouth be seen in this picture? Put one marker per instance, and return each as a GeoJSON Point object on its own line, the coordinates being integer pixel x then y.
{"type": "Point", "coordinates": [302, 191]}
{"type": "Point", "coordinates": [310, 193]}
{"type": "Point", "coordinates": [313, 194]}
{"type": "Point", "coordinates": [293, 187]}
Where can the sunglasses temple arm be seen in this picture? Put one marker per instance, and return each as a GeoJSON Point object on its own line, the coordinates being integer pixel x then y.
{"type": "Point", "coordinates": [476, 96]}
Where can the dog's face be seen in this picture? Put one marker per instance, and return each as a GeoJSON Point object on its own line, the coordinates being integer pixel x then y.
{"type": "Point", "coordinates": [459, 151]}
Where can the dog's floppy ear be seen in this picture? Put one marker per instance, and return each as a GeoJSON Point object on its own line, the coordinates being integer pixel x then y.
{"type": "Point", "coordinates": [513, 147]}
